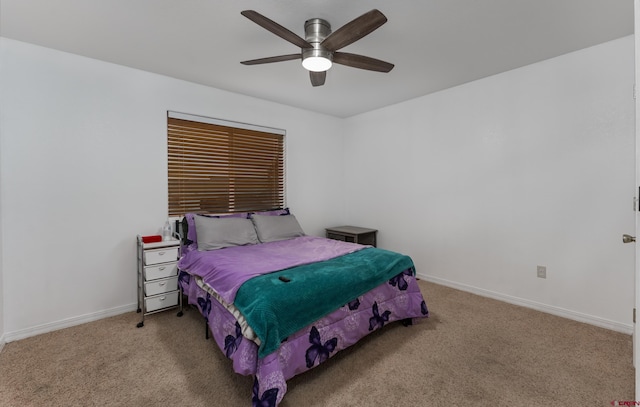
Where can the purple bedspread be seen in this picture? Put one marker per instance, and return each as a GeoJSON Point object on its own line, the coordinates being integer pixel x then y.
{"type": "Point", "coordinates": [226, 269]}
{"type": "Point", "coordinates": [398, 299]}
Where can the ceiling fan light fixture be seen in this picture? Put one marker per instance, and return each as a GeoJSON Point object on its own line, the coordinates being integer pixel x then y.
{"type": "Point", "coordinates": [316, 60]}
{"type": "Point", "coordinates": [317, 64]}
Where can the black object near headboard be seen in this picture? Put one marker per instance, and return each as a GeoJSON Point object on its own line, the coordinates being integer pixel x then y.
{"type": "Point", "coordinates": [182, 230]}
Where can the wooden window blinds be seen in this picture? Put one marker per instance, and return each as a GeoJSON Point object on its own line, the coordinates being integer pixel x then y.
{"type": "Point", "coordinates": [220, 169]}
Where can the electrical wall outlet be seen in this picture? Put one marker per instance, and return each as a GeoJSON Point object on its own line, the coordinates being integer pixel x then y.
{"type": "Point", "coordinates": [542, 272]}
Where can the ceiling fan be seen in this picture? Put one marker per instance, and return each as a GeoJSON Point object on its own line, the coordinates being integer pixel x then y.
{"type": "Point", "coordinates": [319, 48]}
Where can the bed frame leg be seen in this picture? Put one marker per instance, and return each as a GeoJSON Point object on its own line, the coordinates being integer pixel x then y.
{"type": "Point", "coordinates": [180, 301]}
{"type": "Point", "coordinates": [206, 330]}
{"type": "Point", "coordinates": [407, 322]}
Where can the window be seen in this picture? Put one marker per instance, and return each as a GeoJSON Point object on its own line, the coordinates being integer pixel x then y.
{"type": "Point", "coordinates": [223, 167]}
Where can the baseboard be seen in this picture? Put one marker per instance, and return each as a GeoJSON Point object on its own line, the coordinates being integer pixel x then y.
{"type": "Point", "coordinates": [549, 309]}
{"type": "Point", "coordinates": [67, 323]}
{"type": "Point", "coordinates": [561, 312]}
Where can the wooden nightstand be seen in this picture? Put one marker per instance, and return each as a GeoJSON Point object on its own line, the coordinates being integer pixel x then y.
{"type": "Point", "coordinates": [353, 234]}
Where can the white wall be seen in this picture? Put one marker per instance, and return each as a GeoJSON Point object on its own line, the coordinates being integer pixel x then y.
{"type": "Point", "coordinates": [479, 183]}
{"type": "Point", "coordinates": [2, 339]}
{"type": "Point", "coordinates": [483, 182]}
{"type": "Point", "coordinates": [83, 171]}
{"type": "Point", "coordinates": [2, 82]}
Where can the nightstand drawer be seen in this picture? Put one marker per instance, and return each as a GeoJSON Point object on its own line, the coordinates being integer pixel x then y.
{"type": "Point", "coordinates": [342, 237]}
{"type": "Point", "coordinates": [161, 301]}
{"type": "Point", "coordinates": [160, 255]}
{"type": "Point", "coordinates": [161, 286]}
{"type": "Point", "coordinates": [353, 234]}
{"type": "Point", "coordinates": [161, 271]}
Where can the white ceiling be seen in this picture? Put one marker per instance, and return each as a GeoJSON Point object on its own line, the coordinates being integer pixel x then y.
{"type": "Point", "coordinates": [434, 44]}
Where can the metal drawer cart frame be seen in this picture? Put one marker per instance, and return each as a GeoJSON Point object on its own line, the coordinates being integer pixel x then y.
{"type": "Point", "coordinates": [158, 277]}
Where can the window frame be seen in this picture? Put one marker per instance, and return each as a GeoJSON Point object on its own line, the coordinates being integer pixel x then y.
{"type": "Point", "coordinates": [217, 166]}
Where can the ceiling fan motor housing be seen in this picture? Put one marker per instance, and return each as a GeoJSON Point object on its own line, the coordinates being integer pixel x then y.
{"type": "Point", "coordinates": [316, 30]}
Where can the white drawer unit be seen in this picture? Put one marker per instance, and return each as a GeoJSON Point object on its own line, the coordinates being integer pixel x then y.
{"type": "Point", "coordinates": [157, 277]}
{"type": "Point", "coordinates": [160, 271]}
{"type": "Point", "coordinates": [162, 286]}
{"type": "Point", "coordinates": [157, 256]}
{"type": "Point", "coordinates": [158, 302]}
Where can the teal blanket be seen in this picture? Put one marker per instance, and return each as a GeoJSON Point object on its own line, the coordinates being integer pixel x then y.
{"type": "Point", "coordinates": [281, 303]}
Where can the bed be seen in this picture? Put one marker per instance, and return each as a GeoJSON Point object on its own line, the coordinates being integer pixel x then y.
{"type": "Point", "coordinates": [278, 302]}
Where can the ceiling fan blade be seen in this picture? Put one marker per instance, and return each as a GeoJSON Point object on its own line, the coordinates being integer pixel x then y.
{"type": "Point", "coordinates": [317, 78]}
{"type": "Point", "coordinates": [362, 62]}
{"type": "Point", "coordinates": [275, 28]}
{"type": "Point", "coordinates": [354, 30]}
{"type": "Point", "coordinates": [269, 60]}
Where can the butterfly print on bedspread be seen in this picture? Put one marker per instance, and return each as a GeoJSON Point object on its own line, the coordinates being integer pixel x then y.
{"type": "Point", "coordinates": [377, 320]}
{"type": "Point", "coordinates": [268, 399]}
{"type": "Point", "coordinates": [354, 305]}
{"type": "Point", "coordinates": [231, 343]}
{"type": "Point", "coordinates": [184, 277]}
{"type": "Point", "coordinates": [205, 306]}
{"type": "Point", "coordinates": [317, 350]}
{"type": "Point", "coordinates": [399, 280]}
{"type": "Point", "coordinates": [423, 308]}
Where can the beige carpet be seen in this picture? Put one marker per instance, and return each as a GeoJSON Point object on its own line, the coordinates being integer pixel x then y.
{"type": "Point", "coordinates": [473, 351]}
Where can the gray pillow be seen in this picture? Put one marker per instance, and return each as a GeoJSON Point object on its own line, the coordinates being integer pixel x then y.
{"type": "Point", "coordinates": [216, 233]}
{"type": "Point", "coordinates": [274, 228]}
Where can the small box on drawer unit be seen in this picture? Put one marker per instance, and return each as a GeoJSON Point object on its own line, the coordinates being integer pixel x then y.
{"type": "Point", "coordinates": [157, 276]}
